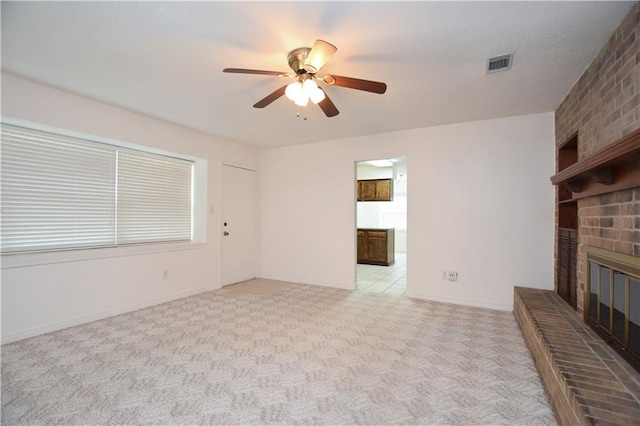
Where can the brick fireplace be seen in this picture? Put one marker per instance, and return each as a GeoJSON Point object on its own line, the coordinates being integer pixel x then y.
{"type": "Point", "coordinates": [601, 108]}
{"type": "Point", "coordinates": [597, 211]}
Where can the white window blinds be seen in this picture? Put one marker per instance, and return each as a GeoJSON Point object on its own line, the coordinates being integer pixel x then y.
{"type": "Point", "coordinates": [60, 192]}
{"type": "Point", "coordinates": [57, 192]}
{"type": "Point", "coordinates": [154, 198]}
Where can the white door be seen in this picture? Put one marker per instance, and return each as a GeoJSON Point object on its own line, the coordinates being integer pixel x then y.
{"type": "Point", "coordinates": [239, 225]}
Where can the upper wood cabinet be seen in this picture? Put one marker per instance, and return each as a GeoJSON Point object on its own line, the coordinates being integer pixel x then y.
{"type": "Point", "coordinates": [375, 190]}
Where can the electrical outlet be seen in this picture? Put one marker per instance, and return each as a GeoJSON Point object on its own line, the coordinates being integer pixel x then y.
{"type": "Point", "coordinates": [450, 275]}
{"type": "Point", "coordinates": [165, 274]}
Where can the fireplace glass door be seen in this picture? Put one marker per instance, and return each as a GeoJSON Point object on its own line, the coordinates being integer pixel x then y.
{"type": "Point", "coordinates": [614, 306]}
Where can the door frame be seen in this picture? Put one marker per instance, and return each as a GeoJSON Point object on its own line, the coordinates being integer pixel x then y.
{"type": "Point", "coordinates": [220, 227]}
{"type": "Point", "coordinates": [355, 215]}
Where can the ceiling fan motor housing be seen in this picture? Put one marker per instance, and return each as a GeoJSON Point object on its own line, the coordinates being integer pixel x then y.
{"type": "Point", "coordinates": [297, 58]}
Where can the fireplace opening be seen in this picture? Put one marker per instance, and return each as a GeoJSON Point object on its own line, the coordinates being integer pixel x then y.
{"type": "Point", "coordinates": [613, 305]}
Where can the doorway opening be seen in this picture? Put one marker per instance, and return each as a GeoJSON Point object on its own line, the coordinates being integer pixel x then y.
{"type": "Point", "coordinates": [381, 226]}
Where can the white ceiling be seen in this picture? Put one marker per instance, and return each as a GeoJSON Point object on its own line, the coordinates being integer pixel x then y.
{"type": "Point", "coordinates": [165, 59]}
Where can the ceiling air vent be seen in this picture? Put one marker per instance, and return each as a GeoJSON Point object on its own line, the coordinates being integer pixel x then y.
{"type": "Point", "coordinates": [499, 63]}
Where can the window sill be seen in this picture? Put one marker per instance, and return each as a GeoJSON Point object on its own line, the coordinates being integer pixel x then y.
{"type": "Point", "coordinates": [33, 259]}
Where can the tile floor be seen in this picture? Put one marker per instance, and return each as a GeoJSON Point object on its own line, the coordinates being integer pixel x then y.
{"type": "Point", "coordinates": [384, 279]}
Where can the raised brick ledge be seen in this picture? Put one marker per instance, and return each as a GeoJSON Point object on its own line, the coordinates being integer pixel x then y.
{"type": "Point", "coordinates": [586, 381]}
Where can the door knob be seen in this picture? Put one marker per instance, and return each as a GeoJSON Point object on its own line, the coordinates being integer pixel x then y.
{"type": "Point", "coordinates": [225, 233]}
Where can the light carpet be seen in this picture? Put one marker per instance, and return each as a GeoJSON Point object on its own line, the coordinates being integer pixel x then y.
{"type": "Point", "coordinates": [267, 352]}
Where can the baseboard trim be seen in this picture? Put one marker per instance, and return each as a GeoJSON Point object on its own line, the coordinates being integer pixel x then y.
{"type": "Point", "coordinates": [327, 284]}
{"type": "Point", "coordinates": [464, 302]}
{"type": "Point", "coordinates": [59, 325]}
{"type": "Point", "coordinates": [311, 282]}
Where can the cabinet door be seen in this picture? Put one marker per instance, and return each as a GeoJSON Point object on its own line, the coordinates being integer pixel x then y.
{"type": "Point", "coordinates": [367, 190]}
{"type": "Point", "coordinates": [377, 246]}
{"type": "Point", "coordinates": [362, 246]}
{"type": "Point", "coordinates": [375, 190]}
{"type": "Point", "coordinates": [384, 190]}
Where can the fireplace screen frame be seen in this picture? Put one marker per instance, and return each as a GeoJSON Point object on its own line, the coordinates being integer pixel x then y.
{"type": "Point", "coordinates": [629, 267]}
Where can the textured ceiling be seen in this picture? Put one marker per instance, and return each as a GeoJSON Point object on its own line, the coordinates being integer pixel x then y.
{"type": "Point", "coordinates": [165, 59]}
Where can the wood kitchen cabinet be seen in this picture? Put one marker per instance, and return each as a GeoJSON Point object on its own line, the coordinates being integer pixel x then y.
{"type": "Point", "coordinates": [376, 246]}
{"type": "Point", "coordinates": [375, 190]}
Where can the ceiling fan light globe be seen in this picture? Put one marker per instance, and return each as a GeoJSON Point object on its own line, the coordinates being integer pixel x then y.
{"type": "Point", "coordinates": [302, 100]}
{"type": "Point", "coordinates": [317, 96]}
{"type": "Point", "coordinates": [309, 87]}
{"type": "Point", "coordinates": [293, 91]}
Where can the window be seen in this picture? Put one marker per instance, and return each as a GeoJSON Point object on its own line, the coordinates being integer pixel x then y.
{"type": "Point", "coordinates": [60, 192]}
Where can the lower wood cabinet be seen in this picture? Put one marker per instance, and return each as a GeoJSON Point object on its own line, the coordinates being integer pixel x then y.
{"type": "Point", "coordinates": [376, 246]}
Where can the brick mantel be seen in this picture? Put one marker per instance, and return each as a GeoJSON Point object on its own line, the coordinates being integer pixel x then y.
{"type": "Point", "coordinates": [615, 167]}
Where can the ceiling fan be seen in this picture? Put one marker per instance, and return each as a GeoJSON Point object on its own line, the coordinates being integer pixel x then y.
{"type": "Point", "coordinates": [305, 63]}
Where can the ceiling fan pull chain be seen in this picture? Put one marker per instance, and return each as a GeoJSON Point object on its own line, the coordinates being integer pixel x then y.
{"type": "Point", "coordinates": [304, 113]}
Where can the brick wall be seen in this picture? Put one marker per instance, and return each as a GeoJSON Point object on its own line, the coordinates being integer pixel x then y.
{"type": "Point", "coordinates": [603, 106]}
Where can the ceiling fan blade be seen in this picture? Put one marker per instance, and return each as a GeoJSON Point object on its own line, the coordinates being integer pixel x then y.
{"type": "Point", "coordinates": [261, 72]}
{"type": "Point", "coordinates": [320, 53]}
{"type": "Point", "coordinates": [270, 97]}
{"type": "Point", "coordinates": [356, 83]}
{"type": "Point", "coordinates": [327, 106]}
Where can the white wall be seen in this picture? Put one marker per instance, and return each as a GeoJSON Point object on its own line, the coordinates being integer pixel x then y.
{"type": "Point", "coordinates": [479, 202]}
{"type": "Point", "coordinates": [37, 299]}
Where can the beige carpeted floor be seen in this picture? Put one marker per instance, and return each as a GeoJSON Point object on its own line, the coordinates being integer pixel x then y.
{"type": "Point", "coordinates": [267, 352]}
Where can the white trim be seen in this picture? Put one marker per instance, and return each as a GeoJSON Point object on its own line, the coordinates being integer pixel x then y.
{"type": "Point", "coordinates": [220, 219]}
{"type": "Point", "coordinates": [59, 325]}
{"type": "Point", "coordinates": [95, 138]}
{"type": "Point", "coordinates": [237, 166]}
{"type": "Point", "coordinates": [222, 164]}
{"type": "Point", "coordinates": [463, 302]}
{"type": "Point", "coordinates": [45, 258]}
{"type": "Point", "coordinates": [350, 287]}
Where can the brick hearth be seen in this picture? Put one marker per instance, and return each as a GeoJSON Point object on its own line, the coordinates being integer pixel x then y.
{"type": "Point", "coordinates": [586, 381]}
